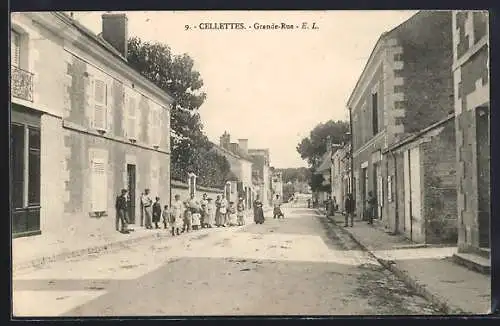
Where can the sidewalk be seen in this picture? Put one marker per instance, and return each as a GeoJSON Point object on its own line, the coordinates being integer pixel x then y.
{"type": "Point", "coordinates": [38, 250]}
{"type": "Point", "coordinates": [429, 270]}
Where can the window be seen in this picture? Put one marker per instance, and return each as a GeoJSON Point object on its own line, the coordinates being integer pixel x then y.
{"type": "Point", "coordinates": [155, 116]}
{"type": "Point", "coordinates": [389, 189]}
{"type": "Point", "coordinates": [375, 113]}
{"type": "Point", "coordinates": [99, 182]}
{"type": "Point", "coordinates": [17, 159]}
{"type": "Point", "coordinates": [15, 48]}
{"type": "Point", "coordinates": [100, 105]}
{"type": "Point", "coordinates": [155, 178]}
{"type": "Point", "coordinates": [33, 166]}
{"type": "Point", "coordinates": [131, 128]}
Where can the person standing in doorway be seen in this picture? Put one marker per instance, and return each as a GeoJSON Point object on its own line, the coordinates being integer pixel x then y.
{"type": "Point", "coordinates": [121, 211]}
{"type": "Point", "coordinates": [156, 212]}
{"type": "Point", "coordinates": [147, 203]}
{"type": "Point", "coordinates": [349, 210]}
{"type": "Point", "coordinates": [372, 206]}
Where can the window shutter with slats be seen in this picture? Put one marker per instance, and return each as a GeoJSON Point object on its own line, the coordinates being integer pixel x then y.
{"type": "Point", "coordinates": [15, 48]}
{"type": "Point", "coordinates": [132, 116]}
{"type": "Point", "coordinates": [99, 184]}
{"type": "Point", "coordinates": [100, 99]}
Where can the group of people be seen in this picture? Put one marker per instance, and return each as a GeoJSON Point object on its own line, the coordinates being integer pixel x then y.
{"type": "Point", "coordinates": [187, 215]}
{"type": "Point", "coordinates": [349, 208]}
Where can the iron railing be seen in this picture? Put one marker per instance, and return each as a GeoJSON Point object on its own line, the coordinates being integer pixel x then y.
{"type": "Point", "coordinates": [21, 84]}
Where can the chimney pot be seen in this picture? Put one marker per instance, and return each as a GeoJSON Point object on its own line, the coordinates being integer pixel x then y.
{"type": "Point", "coordinates": [115, 31]}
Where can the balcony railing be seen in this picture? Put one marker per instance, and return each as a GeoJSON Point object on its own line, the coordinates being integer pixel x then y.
{"type": "Point", "coordinates": [21, 84]}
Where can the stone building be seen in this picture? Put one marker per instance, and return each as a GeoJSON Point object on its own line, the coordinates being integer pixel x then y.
{"type": "Point", "coordinates": [341, 174]}
{"type": "Point", "coordinates": [84, 125]}
{"type": "Point", "coordinates": [472, 110]}
{"type": "Point", "coordinates": [405, 87]}
{"type": "Point", "coordinates": [241, 166]}
{"type": "Point", "coordinates": [260, 173]}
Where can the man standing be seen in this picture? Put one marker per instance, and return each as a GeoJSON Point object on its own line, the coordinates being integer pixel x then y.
{"type": "Point", "coordinates": [204, 211]}
{"type": "Point", "coordinates": [147, 203]}
{"type": "Point", "coordinates": [349, 210]}
{"type": "Point", "coordinates": [121, 206]}
{"type": "Point", "coordinates": [372, 206]}
{"type": "Point", "coordinates": [277, 207]}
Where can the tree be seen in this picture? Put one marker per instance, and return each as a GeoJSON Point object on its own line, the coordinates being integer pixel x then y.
{"type": "Point", "coordinates": [312, 148]}
{"type": "Point", "coordinates": [191, 151]}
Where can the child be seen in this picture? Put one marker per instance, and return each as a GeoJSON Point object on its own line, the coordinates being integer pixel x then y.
{"type": "Point", "coordinates": [156, 212]}
{"type": "Point", "coordinates": [188, 216]}
{"type": "Point", "coordinates": [232, 214]}
{"type": "Point", "coordinates": [166, 216]}
{"type": "Point", "coordinates": [196, 218]}
{"type": "Point", "coordinates": [241, 212]}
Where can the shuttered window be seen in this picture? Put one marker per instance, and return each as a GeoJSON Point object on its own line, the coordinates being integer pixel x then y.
{"type": "Point", "coordinates": [131, 118]}
{"type": "Point", "coordinates": [100, 104]}
{"type": "Point", "coordinates": [99, 182]}
{"type": "Point", "coordinates": [15, 48]}
{"type": "Point", "coordinates": [155, 178]}
{"type": "Point", "coordinates": [155, 130]}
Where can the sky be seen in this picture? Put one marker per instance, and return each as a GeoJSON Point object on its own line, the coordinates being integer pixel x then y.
{"type": "Point", "coordinates": [271, 87]}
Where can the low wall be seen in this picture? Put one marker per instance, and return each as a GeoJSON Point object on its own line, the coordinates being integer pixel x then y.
{"type": "Point", "coordinates": [182, 189]}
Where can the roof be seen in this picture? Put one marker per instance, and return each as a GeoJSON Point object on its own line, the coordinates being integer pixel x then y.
{"type": "Point", "coordinates": [326, 162]}
{"type": "Point", "coordinates": [238, 155]}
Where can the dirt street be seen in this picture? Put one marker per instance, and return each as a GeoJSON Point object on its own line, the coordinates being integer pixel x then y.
{"type": "Point", "coordinates": [300, 265]}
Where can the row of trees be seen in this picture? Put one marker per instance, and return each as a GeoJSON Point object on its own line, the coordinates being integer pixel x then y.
{"type": "Point", "coordinates": [175, 74]}
{"type": "Point", "coordinates": [313, 148]}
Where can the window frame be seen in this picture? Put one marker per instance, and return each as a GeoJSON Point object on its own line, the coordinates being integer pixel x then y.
{"type": "Point", "coordinates": [103, 104]}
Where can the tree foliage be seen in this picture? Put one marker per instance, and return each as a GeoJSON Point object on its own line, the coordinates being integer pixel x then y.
{"type": "Point", "coordinates": [312, 148]}
{"type": "Point", "coordinates": [296, 174]}
{"type": "Point", "coordinates": [191, 151]}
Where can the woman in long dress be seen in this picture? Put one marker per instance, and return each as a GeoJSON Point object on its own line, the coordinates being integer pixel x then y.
{"type": "Point", "coordinates": [218, 215]}
{"type": "Point", "coordinates": [177, 214]}
{"type": "Point", "coordinates": [258, 212]}
{"type": "Point", "coordinates": [210, 217]}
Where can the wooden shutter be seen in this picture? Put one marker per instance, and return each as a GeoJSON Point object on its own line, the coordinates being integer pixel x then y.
{"type": "Point", "coordinates": [131, 118]}
{"type": "Point", "coordinates": [99, 184]}
{"type": "Point", "coordinates": [100, 100]}
{"type": "Point", "coordinates": [15, 48]}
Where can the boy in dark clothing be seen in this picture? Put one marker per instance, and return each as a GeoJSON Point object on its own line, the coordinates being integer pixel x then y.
{"type": "Point", "coordinates": [349, 210]}
{"type": "Point", "coordinates": [121, 206]}
{"type": "Point", "coordinates": [156, 212]}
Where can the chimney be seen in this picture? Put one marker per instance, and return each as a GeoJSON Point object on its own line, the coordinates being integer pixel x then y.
{"type": "Point", "coordinates": [243, 145]}
{"type": "Point", "coordinates": [115, 31]}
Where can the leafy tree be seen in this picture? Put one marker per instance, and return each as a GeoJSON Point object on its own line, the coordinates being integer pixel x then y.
{"type": "Point", "coordinates": [288, 191]}
{"type": "Point", "coordinates": [312, 148]}
{"type": "Point", "coordinates": [191, 151]}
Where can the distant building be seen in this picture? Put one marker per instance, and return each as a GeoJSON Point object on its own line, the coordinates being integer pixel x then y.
{"type": "Point", "coordinates": [471, 72]}
{"type": "Point", "coordinates": [277, 183]}
{"type": "Point", "coordinates": [260, 173]}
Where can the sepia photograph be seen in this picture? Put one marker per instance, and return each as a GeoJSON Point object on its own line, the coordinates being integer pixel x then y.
{"type": "Point", "coordinates": [250, 163]}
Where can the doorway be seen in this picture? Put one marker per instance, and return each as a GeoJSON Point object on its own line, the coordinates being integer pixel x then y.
{"type": "Point", "coordinates": [364, 191]}
{"type": "Point", "coordinates": [483, 174]}
{"type": "Point", "coordinates": [131, 178]}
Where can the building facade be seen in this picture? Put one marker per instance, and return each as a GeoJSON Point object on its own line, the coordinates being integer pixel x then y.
{"type": "Point", "coordinates": [277, 183]}
{"type": "Point", "coordinates": [341, 174]}
{"type": "Point", "coordinates": [472, 109]}
{"type": "Point", "coordinates": [405, 87]}
{"type": "Point", "coordinates": [260, 173]}
{"type": "Point", "coordinates": [241, 166]}
{"type": "Point", "coordinates": [84, 125]}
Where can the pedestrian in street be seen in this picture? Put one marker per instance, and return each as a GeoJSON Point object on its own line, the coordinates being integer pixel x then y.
{"type": "Point", "coordinates": [223, 211]}
{"type": "Point", "coordinates": [196, 221]}
{"type": "Point", "coordinates": [277, 213]}
{"type": "Point", "coordinates": [147, 203]}
{"type": "Point", "coordinates": [218, 215]}
{"type": "Point", "coordinates": [210, 213]}
{"type": "Point", "coordinates": [232, 218]}
{"type": "Point", "coordinates": [121, 206]}
{"type": "Point", "coordinates": [177, 221]}
{"type": "Point", "coordinates": [188, 218]}
{"type": "Point", "coordinates": [258, 212]}
{"type": "Point", "coordinates": [204, 213]}
{"type": "Point", "coordinates": [165, 216]}
{"type": "Point", "coordinates": [372, 206]}
{"type": "Point", "coordinates": [156, 212]}
{"type": "Point", "coordinates": [349, 210]}
{"type": "Point", "coordinates": [240, 208]}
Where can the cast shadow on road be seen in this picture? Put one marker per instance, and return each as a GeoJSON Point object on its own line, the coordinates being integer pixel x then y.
{"type": "Point", "coordinates": [183, 288]}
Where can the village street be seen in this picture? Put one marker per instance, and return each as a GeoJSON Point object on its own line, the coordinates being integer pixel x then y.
{"type": "Point", "coordinates": [299, 265]}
